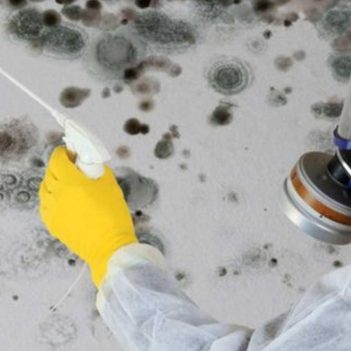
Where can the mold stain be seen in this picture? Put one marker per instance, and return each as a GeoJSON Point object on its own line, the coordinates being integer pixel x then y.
{"type": "Point", "coordinates": [156, 28]}
{"type": "Point", "coordinates": [229, 75]}
{"type": "Point", "coordinates": [164, 149]}
{"type": "Point", "coordinates": [146, 237]}
{"type": "Point", "coordinates": [71, 97]}
{"type": "Point", "coordinates": [283, 63]}
{"type": "Point", "coordinates": [328, 110]}
{"type": "Point", "coordinates": [139, 191]}
{"type": "Point", "coordinates": [57, 331]}
{"type": "Point", "coordinates": [17, 137]}
{"type": "Point", "coordinates": [123, 152]}
{"type": "Point", "coordinates": [276, 97]}
{"type": "Point", "coordinates": [340, 65]}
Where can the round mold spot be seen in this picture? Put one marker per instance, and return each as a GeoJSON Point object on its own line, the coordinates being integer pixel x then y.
{"type": "Point", "coordinates": [112, 53]}
{"type": "Point", "coordinates": [229, 75]}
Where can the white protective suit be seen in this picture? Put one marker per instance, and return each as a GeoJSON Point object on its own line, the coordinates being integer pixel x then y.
{"type": "Point", "coordinates": [145, 308]}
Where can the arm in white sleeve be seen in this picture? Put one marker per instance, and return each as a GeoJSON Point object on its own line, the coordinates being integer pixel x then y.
{"type": "Point", "coordinates": [145, 308]}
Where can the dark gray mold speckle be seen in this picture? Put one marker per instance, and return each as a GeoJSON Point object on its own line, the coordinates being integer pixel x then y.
{"type": "Point", "coordinates": [229, 76]}
{"type": "Point", "coordinates": [106, 92]}
{"type": "Point", "coordinates": [330, 110]}
{"type": "Point", "coordinates": [71, 97]}
{"type": "Point", "coordinates": [340, 66]}
{"type": "Point", "coordinates": [151, 239]}
{"type": "Point", "coordinates": [58, 330]}
{"type": "Point", "coordinates": [257, 45]}
{"type": "Point", "coordinates": [123, 152]}
{"type": "Point", "coordinates": [222, 271]}
{"type": "Point", "coordinates": [164, 149]}
{"type": "Point", "coordinates": [335, 21]}
{"type": "Point", "coordinates": [139, 191]}
{"type": "Point", "coordinates": [72, 12]}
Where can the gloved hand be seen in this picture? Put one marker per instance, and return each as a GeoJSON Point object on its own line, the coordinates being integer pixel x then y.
{"type": "Point", "coordinates": [89, 216]}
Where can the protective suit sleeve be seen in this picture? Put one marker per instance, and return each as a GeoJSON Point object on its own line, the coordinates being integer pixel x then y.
{"type": "Point", "coordinates": [146, 309]}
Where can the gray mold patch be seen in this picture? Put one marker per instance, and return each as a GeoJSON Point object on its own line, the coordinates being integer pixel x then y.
{"type": "Point", "coordinates": [57, 331]}
{"type": "Point", "coordinates": [340, 66]}
{"type": "Point", "coordinates": [31, 258]}
{"type": "Point", "coordinates": [58, 40]}
{"type": "Point", "coordinates": [164, 148]}
{"type": "Point", "coordinates": [145, 237]}
{"type": "Point", "coordinates": [257, 45]}
{"type": "Point", "coordinates": [157, 29]}
{"type": "Point", "coordinates": [17, 137]}
{"type": "Point", "coordinates": [211, 9]}
{"type": "Point", "coordinates": [229, 75]}
{"type": "Point", "coordinates": [71, 97]}
{"type": "Point", "coordinates": [336, 21]}
{"type": "Point", "coordinates": [112, 53]}
{"type": "Point", "coordinates": [64, 41]}
{"type": "Point", "coordinates": [276, 97]}
{"type": "Point", "coordinates": [321, 140]}
{"type": "Point", "coordinates": [328, 110]}
{"type": "Point", "coordinates": [139, 191]}
{"type": "Point", "coordinates": [26, 24]}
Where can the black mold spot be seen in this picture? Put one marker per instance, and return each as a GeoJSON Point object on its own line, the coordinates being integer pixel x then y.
{"type": "Point", "coordinates": [51, 18]}
{"type": "Point", "coordinates": [222, 271]}
{"type": "Point", "coordinates": [330, 110]}
{"type": "Point", "coordinates": [17, 137]}
{"type": "Point", "coordinates": [164, 149]}
{"type": "Point", "coordinates": [180, 276]}
{"type": "Point", "coordinates": [64, 40]}
{"type": "Point", "coordinates": [283, 63]}
{"type": "Point", "coordinates": [17, 3]}
{"type": "Point", "coordinates": [229, 76]}
{"type": "Point", "coordinates": [72, 262]}
{"type": "Point", "coordinates": [37, 162]}
{"type": "Point", "coordinates": [157, 28]}
{"type": "Point", "coordinates": [57, 331]}
{"type": "Point", "coordinates": [267, 34]}
{"type": "Point", "coordinates": [139, 191]}
{"type": "Point", "coordinates": [341, 67]}
{"type": "Point", "coordinates": [276, 97]}
{"type": "Point", "coordinates": [94, 4]}
{"type": "Point", "coordinates": [143, 4]}
{"type": "Point", "coordinates": [263, 5]}
{"type": "Point", "coordinates": [133, 127]}
{"type": "Point", "coordinates": [273, 262]}
{"type": "Point", "coordinates": [151, 239]}
{"type": "Point", "coordinates": [222, 115]}
{"type": "Point", "coordinates": [337, 264]}
{"type": "Point", "coordinates": [15, 297]}
{"type": "Point", "coordinates": [73, 96]}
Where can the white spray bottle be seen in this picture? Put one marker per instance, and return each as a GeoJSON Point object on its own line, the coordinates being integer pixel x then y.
{"type": "Point", "coordinates": [90, 151]}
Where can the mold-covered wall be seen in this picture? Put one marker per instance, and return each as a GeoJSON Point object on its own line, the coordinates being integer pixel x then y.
{"type": "Point", "coordinates": [205, 107]}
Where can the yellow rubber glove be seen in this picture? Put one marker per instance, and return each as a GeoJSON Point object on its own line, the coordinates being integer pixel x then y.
{"type": "Point", "coordinates": [89, 216]}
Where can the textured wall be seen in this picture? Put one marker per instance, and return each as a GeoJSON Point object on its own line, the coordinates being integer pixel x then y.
{"type": "Point", "coordinates": [205, 107]}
